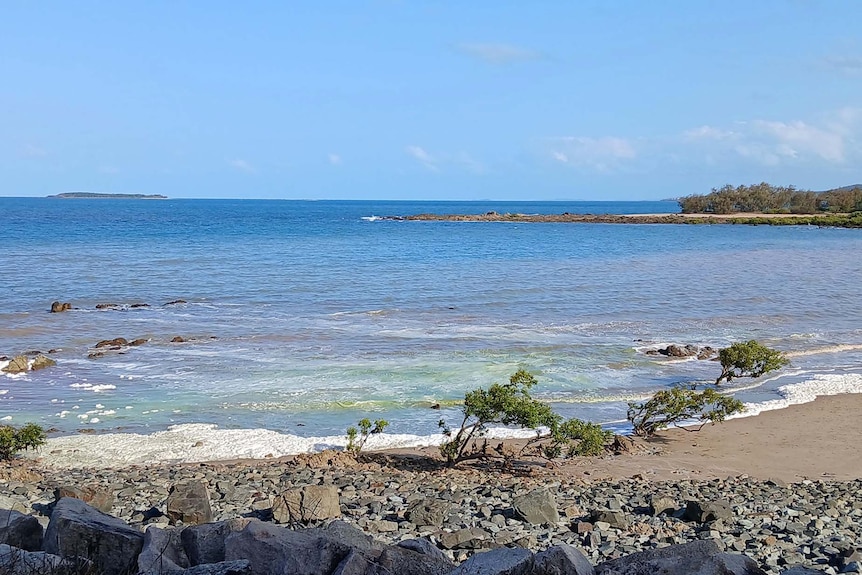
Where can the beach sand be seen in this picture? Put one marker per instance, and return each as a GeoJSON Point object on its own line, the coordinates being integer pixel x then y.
{"type": "Point", "coordinates": [816, 440]}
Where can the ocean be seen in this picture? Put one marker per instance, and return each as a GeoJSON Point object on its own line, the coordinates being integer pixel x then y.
{"type": "Point", "coordinates": [302, 317]}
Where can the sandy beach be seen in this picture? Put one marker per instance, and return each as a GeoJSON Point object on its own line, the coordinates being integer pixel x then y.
{"type": "Point", "coordinates": [817, 440]}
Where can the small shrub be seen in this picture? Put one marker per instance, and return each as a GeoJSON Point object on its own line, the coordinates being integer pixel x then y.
{"type": "Point", "coordinates": [679, 404]}
{"type": "Point", "coordinates": [13, 440]}
{"type": "Point", "coordinates": [356, 438]}
{"type": "Point", "coordinates": [511, 404]}
{"type": "Point", "coordinates": [749, 359]}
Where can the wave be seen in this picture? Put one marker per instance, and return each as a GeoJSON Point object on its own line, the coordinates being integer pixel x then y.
{"type": "Point", "coordinates": [807, 391]}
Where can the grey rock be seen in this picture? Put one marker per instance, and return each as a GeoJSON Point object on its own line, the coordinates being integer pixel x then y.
{"type": "Point", "coordinates": [76, 529]}
{"type": "Point", "coordinates": [537, 507]}
{"type": "Point", "coordinates": [13, 504]}
{"type": "Point", "coordinates": [428, 512]}
{"type": "Point", "coordinates": [704, 511]}
{"type": "Point", "coordinates": [415, 558]}
{"type": "Point", "coordinates": [189, 502]}
{"type": "Point", "coordinates": [701, 557]}
{"type": "Point", "coordinates": [307, 504]}
{"type": "Point", "coordinates": [274, 549]}
{"type": "Point", "coordinates": [19, 530]}
{"type": "Point", "coordinates": [14, 561]}
{"type": "Point", "coordinates": [205, 543]}
{"type": "Point", "coordinates": [467, 538]}
{"type": "Point", "coordinates": [662, 504]}
{"type": "Point", "coordinates": [497, 562]}
{"type": "Point", "coordinates": [615, 519]}
{"type": "Point", "coordinates": [162, 552]}
{"type": "Point", "coordinates": [561, 560]}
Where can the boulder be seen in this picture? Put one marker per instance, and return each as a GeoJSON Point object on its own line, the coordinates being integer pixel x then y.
{"type": "Point", "coordinates": [107, 306]}
{"type": "Point", "coordinates": [162, 552]}
{"type": "Point", "coordinates": [117, 341]}
{"type": "Point", "coordinates": [205, 543]}
{"type": "Point", "coordinates": [14, 503]}
{"type": "Point", "coordinates": [57, 307]}
{"type": "Point", "coordinates": [662, 504]}
{"type": "Point", "coordinates": [497, 562]}
{"type": "Point", "coordinates": [76, 529]}
{"type": "Point", "coordinates": [705, 511]}
{"type": "Point", "coordinates": [560, 560]}
{"type": "Point", "coordinates": [412, 557]}
{"type": "Point", "coordinates": [466, 538]}
{"type": "Point", "coordinates": [431, 512]}
{"type": "Point", "coordinates": [275, 549]}
{"type": "Point", "coordinates": [177, 339]}
{"type": "Point", "coordinates": [175, 302]}
{"type": "Point", "coordinates": [536, 507]}
{"type": "Point", "coordinates": [19, 530]}
{"type": "Point", "coordinates": [139, 341]}
{"type": "Point", "coordinates": [706, 352]}
{"type": "Point", "coordinates": [189, 502]}
{"type": "Point", "coordinates": [17, 364]}
{"type": "Point", "coordinates": [616, 519]}
{"type": "Point", "coordinates": [701, 557]}
{"type": "Point", "coordinates": [306, 504]}
{"type": "Point", "coordinates": [100, 497]}
{"type": "Point", "coordinates": [41, 362]}
{"type": "Point", "coordinates": [14, 561]}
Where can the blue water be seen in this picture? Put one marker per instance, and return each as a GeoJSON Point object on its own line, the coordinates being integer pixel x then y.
{"type": "Point", "coordinates": [302, 317]}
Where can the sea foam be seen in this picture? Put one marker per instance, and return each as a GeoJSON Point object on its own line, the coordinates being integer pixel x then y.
{"type": "Point", "coordinates": [807, 391]}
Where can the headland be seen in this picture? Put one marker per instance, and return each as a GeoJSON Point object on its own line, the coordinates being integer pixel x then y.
{"type": "Point", "coordinates": [96, 195]}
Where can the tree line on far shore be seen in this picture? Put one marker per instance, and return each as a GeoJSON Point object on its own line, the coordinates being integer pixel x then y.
{"type": "Point", "coordinates": [768, 199]}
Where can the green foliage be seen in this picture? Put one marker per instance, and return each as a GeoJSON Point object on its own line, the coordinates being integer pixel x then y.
{"type": "Point", "coordinates": [679, 404]}
{"type": "Point", "coordinates": [766, 198]}
{"type": "Point", "coordinates": [749, 359]}
{"type": "Point", "coordinates": [356, 438]}
{"type": "Point", "coordinates": [13, 440]}
{"type": "Point", "coordinates": [576, 437]}
{"type": "Point", "coordinates": [511, 404]}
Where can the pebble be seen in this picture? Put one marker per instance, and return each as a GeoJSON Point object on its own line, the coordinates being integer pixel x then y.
{"type": "Point", "coordinates": [816, 524]}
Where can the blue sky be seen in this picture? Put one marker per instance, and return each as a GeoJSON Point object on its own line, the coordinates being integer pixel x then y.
{"type": "Point", "coordinates": [368, 99]}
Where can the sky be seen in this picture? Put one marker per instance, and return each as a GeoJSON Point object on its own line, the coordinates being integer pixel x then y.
{"type": "Point", "coordinates": [402, 99]}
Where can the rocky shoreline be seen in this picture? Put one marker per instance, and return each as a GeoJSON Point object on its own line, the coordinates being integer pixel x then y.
{"type": "Point", "coordinates": [832, 220]}
{"type": "Point", "coordinates": [465, 512]}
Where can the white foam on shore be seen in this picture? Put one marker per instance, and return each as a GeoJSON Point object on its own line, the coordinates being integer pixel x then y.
{"type": "Point", "coordinates": [198, 442]}
{"type": "Point", "coordinates": [809, 390]}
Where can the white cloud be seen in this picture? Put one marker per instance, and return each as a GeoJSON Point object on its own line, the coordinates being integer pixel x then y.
{"type": "Point", "coordinates": [795, 139]}
{"type": "Point", "coordinates": [833, 139]}
{"type": "Point", "coordinates": [423, 157]}
{"type": "Point", "coordinates": [242, 166]}
{"type": "Point", "coordinates": [498, 53]}
{"type": "Point", "coordinates": [334, 159]}
{"type": "Point", "coordinates": [708, 133]}
{"type": "Point", "coordinates": [602, 154]}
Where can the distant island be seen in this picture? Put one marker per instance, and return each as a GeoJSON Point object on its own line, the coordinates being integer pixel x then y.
{"type": "Point", "coordinates": [90, 195]}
